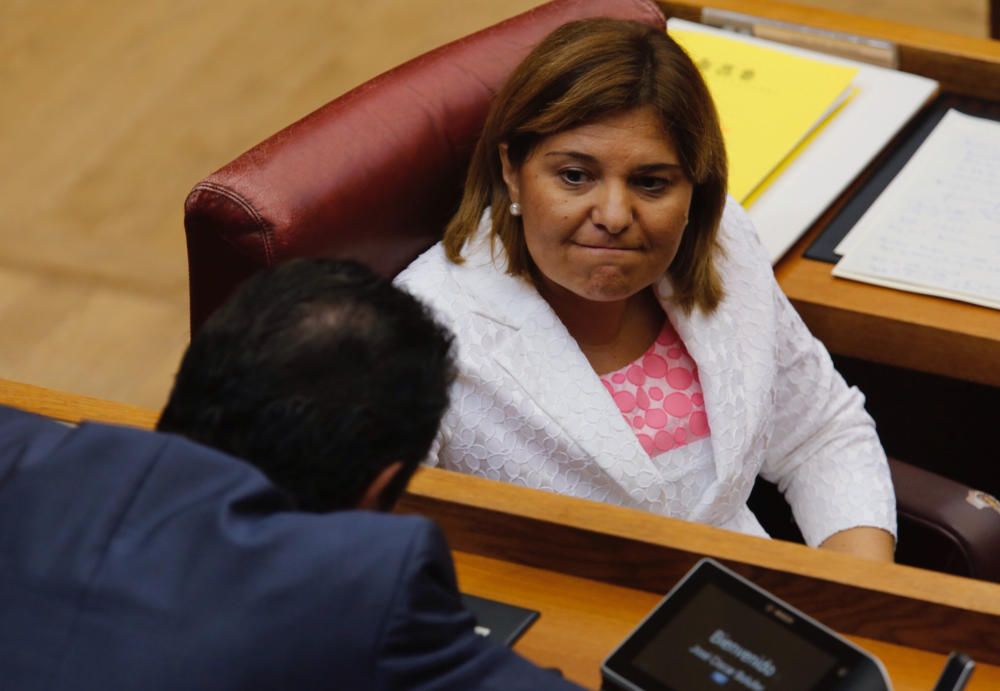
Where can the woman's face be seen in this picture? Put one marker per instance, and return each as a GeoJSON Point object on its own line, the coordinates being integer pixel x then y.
{"type": "Point", "coordinates": [603, 205]}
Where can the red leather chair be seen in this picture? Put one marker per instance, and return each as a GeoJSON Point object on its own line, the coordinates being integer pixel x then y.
{"type": "Point", "coordinates": [375, 174]}
{"type": "Point", "coordinates": [945, 525]}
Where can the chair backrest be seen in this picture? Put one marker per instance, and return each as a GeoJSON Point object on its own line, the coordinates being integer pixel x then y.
{"type": "Point", "coordinates": [373, 175]}
{"type": "Point", "coordinates": [945, 525]}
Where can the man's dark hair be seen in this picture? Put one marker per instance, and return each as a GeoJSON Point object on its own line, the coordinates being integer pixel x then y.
{"type": "Point", "coordinates": [321, 374]}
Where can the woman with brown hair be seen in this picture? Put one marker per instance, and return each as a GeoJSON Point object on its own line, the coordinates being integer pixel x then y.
{"type": "Point", "coordinates": [621, 336]}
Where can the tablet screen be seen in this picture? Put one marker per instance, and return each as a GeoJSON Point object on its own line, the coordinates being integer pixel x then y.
{"type": "Point", "coordinates": [728, 644]}
{"type": "Point", "coordinates": [716, 629]}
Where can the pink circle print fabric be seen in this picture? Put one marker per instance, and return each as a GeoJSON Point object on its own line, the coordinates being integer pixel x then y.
{"type": "Point", "coordinates": [660, 395]}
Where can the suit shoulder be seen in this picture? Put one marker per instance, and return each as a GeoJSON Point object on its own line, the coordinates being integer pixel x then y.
{"type": "Point", "coordinates": [24, 435]}
{"type": "Point", "coordinates": [379, 537]}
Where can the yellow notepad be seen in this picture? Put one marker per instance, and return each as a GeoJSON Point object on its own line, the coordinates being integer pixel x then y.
{"type": "Point", "coordinates": [768, 100]}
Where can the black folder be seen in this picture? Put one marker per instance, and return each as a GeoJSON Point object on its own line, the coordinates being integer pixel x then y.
{"type": "Point", "coordinates": [498, 621]}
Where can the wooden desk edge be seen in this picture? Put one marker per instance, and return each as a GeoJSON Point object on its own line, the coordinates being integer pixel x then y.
{"type": "Point", "coordinates": [887, 602]}
{"type": "Point", "coordinates": [892, 603]}
{"type": "Point", "coordinates": [74, 408]}
{"type": "Point", "coordinates": [479, 494]}
{"type": "Point", "coordinates": [919, 48]}
{"type": "Point", "coordinates": [919, 332]}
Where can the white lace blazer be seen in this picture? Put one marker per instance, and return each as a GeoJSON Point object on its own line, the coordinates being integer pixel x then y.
{"type": "Point", "coordinates": [528, 408]}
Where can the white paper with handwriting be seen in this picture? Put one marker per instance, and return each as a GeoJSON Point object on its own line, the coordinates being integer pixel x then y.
{"type": "Point", "coordinates": [936, 228]}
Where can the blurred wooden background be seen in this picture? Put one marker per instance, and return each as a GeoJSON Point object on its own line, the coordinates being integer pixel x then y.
{"type": "Point", "coordinates": [111, 110]}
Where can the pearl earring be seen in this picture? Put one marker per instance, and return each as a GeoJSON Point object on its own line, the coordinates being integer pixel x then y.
{"type": "Point", "coordinates": [515, 209]}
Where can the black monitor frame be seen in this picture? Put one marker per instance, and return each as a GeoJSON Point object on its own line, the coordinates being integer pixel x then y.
{"type": "Point", "coordinates": [851, 667]}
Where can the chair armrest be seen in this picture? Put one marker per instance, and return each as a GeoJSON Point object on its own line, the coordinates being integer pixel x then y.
{"type": "Point", "coordinates": [373, 175]}
{"type": "Point", "coordinates": [941, 519]}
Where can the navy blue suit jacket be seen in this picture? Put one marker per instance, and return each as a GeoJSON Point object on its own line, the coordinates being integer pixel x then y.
{"type": "Point", "coordinates": [136, 560]}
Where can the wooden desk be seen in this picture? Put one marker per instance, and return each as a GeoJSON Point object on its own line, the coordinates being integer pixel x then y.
{"type": "Point", "coordinates": [594, 570]}
{"type": "Point", "coordinates": [71, 407]}
{"type": "Point", "coordinates": [597, 570]}
{"type": "Point", "coordinates": [878, 324]}
{"type": "Point", "coordinates": [583, 620]}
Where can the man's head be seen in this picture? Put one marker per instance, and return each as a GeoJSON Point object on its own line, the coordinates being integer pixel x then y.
{"type": "Point", "coordinates": [325, 376]}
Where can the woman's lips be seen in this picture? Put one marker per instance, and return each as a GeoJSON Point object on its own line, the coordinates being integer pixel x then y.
{"type": "Point", "coordinates": [606, 248]}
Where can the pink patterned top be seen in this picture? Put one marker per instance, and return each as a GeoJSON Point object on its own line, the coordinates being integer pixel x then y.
{"type": "Point", "coordinates": [660, 395]}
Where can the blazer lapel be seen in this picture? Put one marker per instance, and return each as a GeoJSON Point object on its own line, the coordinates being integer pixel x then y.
{"type": "Point", "coordinates": [734, 355]}
{"type": "Point", "coordinates": [535, 349]}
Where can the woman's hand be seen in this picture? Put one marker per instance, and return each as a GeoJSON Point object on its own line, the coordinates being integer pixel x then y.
{"type": "Point", "coordinates": [867, 543]}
